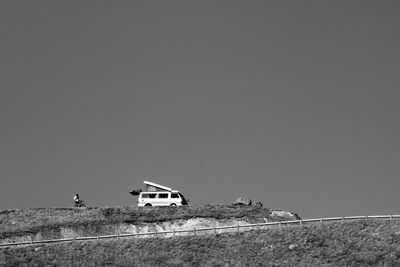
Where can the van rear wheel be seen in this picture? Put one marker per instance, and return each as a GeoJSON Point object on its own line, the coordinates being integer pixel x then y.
{"type": "Point", "coordinates": [173, 205]}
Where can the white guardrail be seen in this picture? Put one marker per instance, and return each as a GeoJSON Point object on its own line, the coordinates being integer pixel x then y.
{"type": "Point", "coordinates": [213, 230]}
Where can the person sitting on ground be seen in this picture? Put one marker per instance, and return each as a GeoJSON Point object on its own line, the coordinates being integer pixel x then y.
{"type": "Point", "coordinates": [76, 199]}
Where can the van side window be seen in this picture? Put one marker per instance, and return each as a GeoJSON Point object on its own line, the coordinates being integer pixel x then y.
{"type": "Point", "coordinates": [162, 195]}
{"type": "Point", "coordinates": [174, 195]}
{"type": "Point", "coordinates": [145, 195]}
{"type": "Point", "coordinates": [152, 195]}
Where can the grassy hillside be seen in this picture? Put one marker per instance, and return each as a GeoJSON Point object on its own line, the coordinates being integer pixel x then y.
{"type": "Point", "coordinates": [360, 243]}
{"type": "Point", "coordinates": [32, 221]}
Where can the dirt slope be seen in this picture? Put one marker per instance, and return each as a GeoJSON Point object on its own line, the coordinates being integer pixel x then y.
{"type": "Point", "coordinates": [56, 223]}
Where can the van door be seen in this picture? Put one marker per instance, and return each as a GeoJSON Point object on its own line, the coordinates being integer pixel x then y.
{"type": "Point", "coordinates": [152, 198]}
{"type": "Point", "coordinates": [175, 199]}
{"type": "Point", "coordinates": [163, 199]}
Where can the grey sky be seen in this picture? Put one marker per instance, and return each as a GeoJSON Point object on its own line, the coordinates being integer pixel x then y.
{"type": "Point", "coordinates": [292, 103]}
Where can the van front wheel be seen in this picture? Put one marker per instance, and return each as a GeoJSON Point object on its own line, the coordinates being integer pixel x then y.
{"type": "Point", "coordinates": [173, 205]}
{"type": "Point", "coordinates": [148, 205]}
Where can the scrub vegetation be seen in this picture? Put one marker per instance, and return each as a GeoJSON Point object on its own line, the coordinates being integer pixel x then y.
{"type": "Point", "coordinates": [32, 221]}
{"type": "Point", "coordinates": [357, 243]}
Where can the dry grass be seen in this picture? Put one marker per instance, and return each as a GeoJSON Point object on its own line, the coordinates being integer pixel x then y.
{"type": "Point", "coordinates": [363, 243]}
{"type": "Point", "coordinates": [31, 221]}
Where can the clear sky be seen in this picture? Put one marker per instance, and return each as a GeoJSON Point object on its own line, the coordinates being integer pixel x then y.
{"type": "Point", "coordinates": [291, 103]}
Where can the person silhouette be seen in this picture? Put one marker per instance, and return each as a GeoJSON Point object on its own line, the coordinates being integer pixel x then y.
{"type": "Point", "coordinates": [76, 199]}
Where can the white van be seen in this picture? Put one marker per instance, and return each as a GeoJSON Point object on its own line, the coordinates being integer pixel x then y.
{"type": "Point", "coordinates": [161, 198]}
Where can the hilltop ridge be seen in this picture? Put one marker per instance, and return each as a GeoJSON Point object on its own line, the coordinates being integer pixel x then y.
{"type": "Point", "coordinates": [55, 223]}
